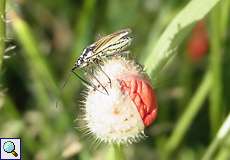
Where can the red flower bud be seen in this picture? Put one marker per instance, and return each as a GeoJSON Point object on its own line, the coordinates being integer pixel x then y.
{"type": "Point", "coordinates": [198, 43]}
{"type": "Point", "coordinates": [130, 105]}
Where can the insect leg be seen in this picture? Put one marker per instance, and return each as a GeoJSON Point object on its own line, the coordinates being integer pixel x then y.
{"type": "Point", "coordinates": [93, 76]}
{"type": "Point", "coordinates": [88, 83]}
{"type": "Point", "coordinates": [98, 65]}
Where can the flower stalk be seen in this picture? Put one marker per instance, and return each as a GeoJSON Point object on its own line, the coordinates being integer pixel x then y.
{"type": "Point", "coordinates": [116, 152]}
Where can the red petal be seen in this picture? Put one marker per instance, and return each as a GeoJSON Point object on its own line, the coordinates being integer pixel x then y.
{"type": "Point", "coordinates": [143, 96]}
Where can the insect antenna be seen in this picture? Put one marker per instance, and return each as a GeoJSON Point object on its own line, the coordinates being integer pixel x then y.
{"type": "Point", "coordinates": [63, 86]}
{"type": "Point", "coordinates": [68, 77]}
{"type": "Point", "coordinates": [82, 79]}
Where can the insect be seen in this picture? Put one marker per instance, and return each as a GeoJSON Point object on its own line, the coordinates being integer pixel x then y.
{"type": "Point", "coordinates": [107, 46]}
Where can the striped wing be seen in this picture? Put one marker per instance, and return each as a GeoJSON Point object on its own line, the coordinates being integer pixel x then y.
{"type": "Point", "coordinates": [109, 40]}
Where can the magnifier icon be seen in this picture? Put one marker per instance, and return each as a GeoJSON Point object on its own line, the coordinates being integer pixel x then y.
{"type": "Point", "coordinates": [9, 147]}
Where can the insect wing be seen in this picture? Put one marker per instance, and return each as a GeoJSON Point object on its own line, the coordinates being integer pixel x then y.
{"type": "Point", "coordinates": [117, 46]}
{"type": "Point", "coordinates": [109, 40]}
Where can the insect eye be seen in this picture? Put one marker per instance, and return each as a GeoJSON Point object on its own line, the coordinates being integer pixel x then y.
{"type": "Point", "coordinates": [78, 62]}
{"type": "Point", "coordinates": [89, 49]}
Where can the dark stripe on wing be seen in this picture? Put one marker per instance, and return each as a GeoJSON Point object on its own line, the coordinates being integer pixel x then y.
{"type": "Point", "coordinates": [107, 40]}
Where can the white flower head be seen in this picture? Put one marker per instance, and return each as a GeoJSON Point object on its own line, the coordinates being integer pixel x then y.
{"type": "Point", "coordinates": [130, 105]}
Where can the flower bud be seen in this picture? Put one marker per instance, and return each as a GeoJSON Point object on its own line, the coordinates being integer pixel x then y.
{"type": "Point", "coordinates": [130, 105]}
{"type": "Point", "coordinates": [198, 43]}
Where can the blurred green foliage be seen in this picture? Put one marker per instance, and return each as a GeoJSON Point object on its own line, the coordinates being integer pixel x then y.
{"type": "Point", "coordinates": [50, 35]}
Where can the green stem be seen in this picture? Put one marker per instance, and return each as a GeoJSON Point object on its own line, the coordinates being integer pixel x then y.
{"type": "Point", "coordinates": [2, 30]}
{"type": "Point", "coordinates": [219, 139]}
{"type": "Point", "coordinates": [224, 15]}
{"type": "Point", "coordinates": [215, 67]}
{"type": "Point", "coordinates": [186, 119]}
{"type": "Point", "coordinates": [116, 152]}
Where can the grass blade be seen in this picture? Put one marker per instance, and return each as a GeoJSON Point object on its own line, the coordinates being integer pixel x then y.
{"type": "Point", "coordinates": [216, 107]}
{"type": "Point", "coordinates": [186, 119]}
{"type": "Point", "coordinates": [175, 32]}
{"type": "Point", "coordinates": [2, 30]}
{"type": "Point", "coordinates": [221, 136]}
{"type": "Point", "coordinates": [43, 79]}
